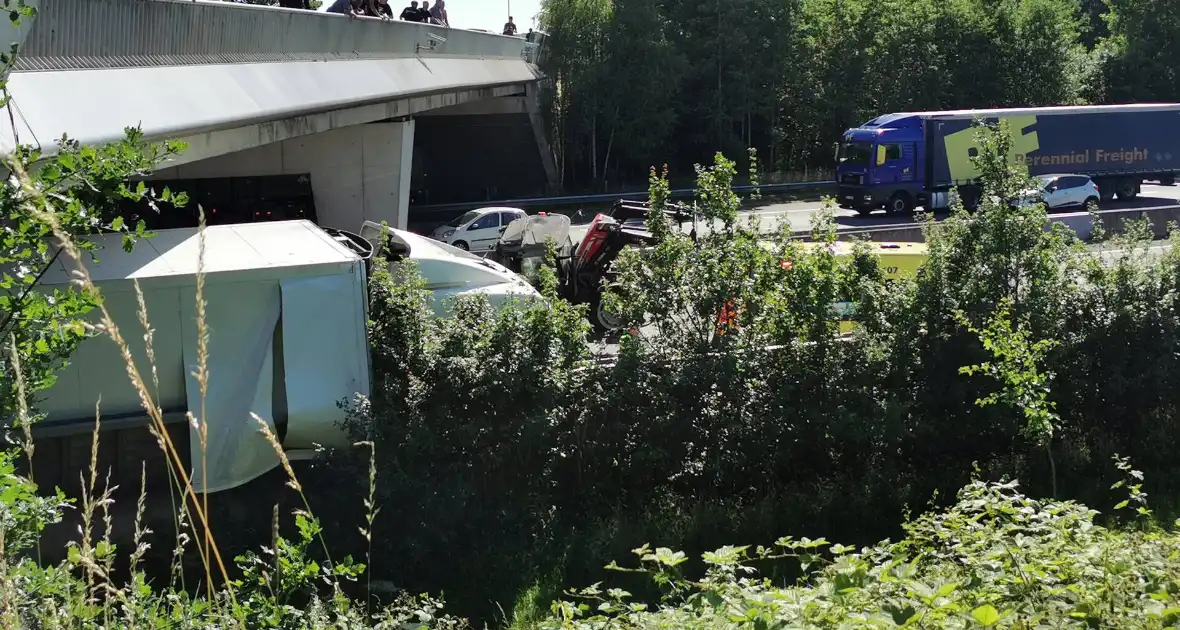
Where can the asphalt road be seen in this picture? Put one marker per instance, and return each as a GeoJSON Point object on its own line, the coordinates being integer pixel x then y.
{"type": "Point", "coordinates": [799, 213]}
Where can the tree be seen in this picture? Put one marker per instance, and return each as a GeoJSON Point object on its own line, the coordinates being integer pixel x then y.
{"type": "Point", "coordinates": [1145, 37]}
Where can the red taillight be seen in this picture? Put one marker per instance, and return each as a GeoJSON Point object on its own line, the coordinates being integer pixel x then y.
{"type": "Point", "coordinates": [1096, 187]}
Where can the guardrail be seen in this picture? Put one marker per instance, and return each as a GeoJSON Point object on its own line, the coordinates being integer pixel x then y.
{"type": "Point", "coordinates": [1113, 221]}
{"type": "Point", "coordinates": [606, 197]}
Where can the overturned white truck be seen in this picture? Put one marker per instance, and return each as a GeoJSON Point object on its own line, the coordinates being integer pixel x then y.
{"type": "Point", "coordinates": [286, 319]}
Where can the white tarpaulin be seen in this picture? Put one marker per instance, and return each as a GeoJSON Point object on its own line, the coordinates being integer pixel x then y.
{"type": "Point", "coordinates": [241, 319]}
{"type": "Point", "coordinates": [323, 325]}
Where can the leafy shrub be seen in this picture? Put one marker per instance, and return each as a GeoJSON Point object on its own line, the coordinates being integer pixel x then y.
{"type": "Point", "coordinates": [996, 558]}
{"type": "Point", "coordinates": [517, 464]}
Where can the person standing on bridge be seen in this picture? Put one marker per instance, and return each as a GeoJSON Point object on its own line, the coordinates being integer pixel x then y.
{"type": "Point", "coordinates": [439, 13]}
{"type": "Point", "coordinates": [510, 27]}
{"type": "Point", "coordinates": [412, 13]}
{"type": "Point", "coordinates": [379, 8]}
{"type": "Point", "coordinates": [351, 8]}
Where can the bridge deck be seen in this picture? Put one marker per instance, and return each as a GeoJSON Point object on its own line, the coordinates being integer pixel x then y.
{"type": "Point", "coordinates": [181, 68]}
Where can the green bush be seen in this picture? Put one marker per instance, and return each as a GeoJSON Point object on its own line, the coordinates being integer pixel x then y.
{"type": "Point", "coordinates": [516, 463]}
{"type": "Point", "coordinates": [996, 558]}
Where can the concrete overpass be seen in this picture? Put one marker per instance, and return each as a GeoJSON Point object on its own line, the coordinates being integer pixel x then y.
{"type": "Point", "coordinates": [257, 91]}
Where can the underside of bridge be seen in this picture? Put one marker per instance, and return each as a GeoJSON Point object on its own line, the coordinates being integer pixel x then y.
{"type": "Point", "coordinates": [285, 113]}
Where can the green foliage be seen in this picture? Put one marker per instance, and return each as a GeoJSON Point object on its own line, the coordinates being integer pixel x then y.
{"type": "Point", "coordinates": [23, 514]}
{"type": "Point", "coordinates": [86, 186]}
{"type": "Point", "coordinates": [468, 414]}
{"type": "Point", "coordinates": [996, 558]}
{"type": "Point", "coordinates": [284, 587]}
{"type": "Point", "coordinates": [526, 466]}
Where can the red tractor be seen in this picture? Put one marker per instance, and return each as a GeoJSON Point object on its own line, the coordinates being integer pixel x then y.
{"type": "Point", "coordinates": [584, 266]}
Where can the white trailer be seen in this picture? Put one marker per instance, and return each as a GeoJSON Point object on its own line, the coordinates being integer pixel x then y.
{"type": "Point", "coordinates": [286, 314]}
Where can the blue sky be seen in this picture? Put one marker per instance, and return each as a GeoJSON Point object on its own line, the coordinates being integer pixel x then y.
{"type": "Point", "coordinates": [491, 14]}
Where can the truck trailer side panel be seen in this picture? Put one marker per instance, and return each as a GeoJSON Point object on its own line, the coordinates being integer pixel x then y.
{"type": "Point", "coordinates": [1092, 143]}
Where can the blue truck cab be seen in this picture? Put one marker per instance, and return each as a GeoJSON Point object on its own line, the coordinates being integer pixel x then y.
{"type": "Point", "coordinates": [880, 165]}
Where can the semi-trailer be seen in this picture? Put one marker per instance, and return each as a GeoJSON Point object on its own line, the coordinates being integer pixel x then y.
{"type": "Point", "coordinates": [904, 160]}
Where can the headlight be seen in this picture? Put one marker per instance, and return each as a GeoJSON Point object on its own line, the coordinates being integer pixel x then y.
{"type": "Point", "coordinates": [448, 233]}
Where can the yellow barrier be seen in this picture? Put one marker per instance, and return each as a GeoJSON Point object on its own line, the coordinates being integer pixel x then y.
{"type": "Point", "coordinates": [899, 260]}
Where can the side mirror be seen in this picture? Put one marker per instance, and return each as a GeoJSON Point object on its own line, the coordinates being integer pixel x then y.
{"type": "Point", "coordinates": [880, 155]}
{"type": "Point", "coordinates": [473, 226]}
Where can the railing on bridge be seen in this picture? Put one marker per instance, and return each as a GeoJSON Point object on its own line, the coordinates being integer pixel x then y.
{"type": "Point", "coordinates": [76, 34]}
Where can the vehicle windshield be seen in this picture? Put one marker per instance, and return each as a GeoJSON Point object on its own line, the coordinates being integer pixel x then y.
{"type": "Point", "coordinates": [467, 217]}
{"type": "Point", "coordinates": [855, 152]}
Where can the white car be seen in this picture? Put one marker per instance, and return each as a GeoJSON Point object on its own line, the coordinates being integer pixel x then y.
{"type": "Point", "coordinates": [477, 230]}
{"type": "Point", "coordinates": [1065, 191]}
{"type": "Point", "coordinates": [449, 271]}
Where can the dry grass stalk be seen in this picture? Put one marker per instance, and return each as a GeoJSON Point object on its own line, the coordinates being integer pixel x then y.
{"type": "Point", "coordinates": [202, 376]}
{"type": "Point", "coordinates": [22, 405]}
{"type": "Point", "coordinates": [370, 516]}
{"type": "Point", "coordinates": [88, 502]}
{"type": "Point", "coordinates": [292, 480]}
{"type": "Point", "coordinates": [32, 200]}
{"type": "Point", "coordinates": [141, 532]}
{"type": "Point", "coordinates": [179, 513]}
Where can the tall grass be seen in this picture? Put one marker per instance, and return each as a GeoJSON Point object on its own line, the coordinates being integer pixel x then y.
{"type": "Point", "coordinates": [100, 596]}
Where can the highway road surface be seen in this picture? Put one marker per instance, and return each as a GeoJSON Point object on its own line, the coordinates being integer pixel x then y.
{"type": "Point", "coordinates": [798, 213]}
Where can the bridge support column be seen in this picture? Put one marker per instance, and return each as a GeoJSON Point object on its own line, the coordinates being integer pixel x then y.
{"type": "Point", "coordinates": [389, 156]}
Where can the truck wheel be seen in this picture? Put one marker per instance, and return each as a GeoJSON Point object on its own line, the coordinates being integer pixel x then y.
{"type": "Point", "coordinates": [969, 196]}
{"type": "Point", "coordinates": [1128, 190]}
{"type": "Point", "coordinates": [899, 203]}
{"type": "Point", "coordinates": [603, 320]}
{"type": "Point", "coordinates": [1091, 204]}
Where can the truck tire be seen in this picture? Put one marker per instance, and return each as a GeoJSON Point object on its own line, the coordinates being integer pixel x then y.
{"type": "Point", "coordinates": [899, 203]}
{"type": "Point", "coordinates": [602, 320]}
{"type": "Point", "coordinates": [1091, 204]}
{"type": "Point", "coordinates": [970, 197]}
{"type": "Point", "coordinates": [1127, 189]}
